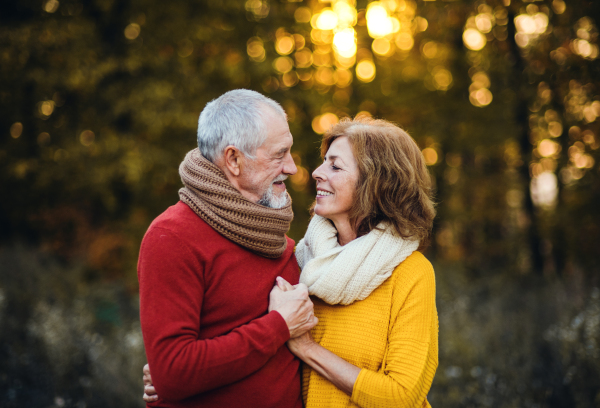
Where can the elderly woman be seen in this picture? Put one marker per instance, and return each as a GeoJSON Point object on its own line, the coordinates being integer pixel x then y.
{"type": "Point", "coordinates": [376, 343]}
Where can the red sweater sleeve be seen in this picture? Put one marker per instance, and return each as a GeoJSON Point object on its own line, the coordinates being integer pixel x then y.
{"type": "Point", "coordinates": [171, 294]}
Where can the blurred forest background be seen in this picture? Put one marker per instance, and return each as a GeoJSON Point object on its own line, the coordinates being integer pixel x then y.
{"type": "Point", "coordinates": [99, 101]}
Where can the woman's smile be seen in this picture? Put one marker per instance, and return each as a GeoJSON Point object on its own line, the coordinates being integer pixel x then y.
{"type": "Point", "coordinates": [323, 193]}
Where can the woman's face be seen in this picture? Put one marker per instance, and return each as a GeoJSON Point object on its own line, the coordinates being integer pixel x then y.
{"type": "Point", "coordinates": [336, 181]}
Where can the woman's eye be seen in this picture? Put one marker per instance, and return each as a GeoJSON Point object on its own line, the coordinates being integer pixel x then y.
{"type": "Point", "coordinates": [335, 167]}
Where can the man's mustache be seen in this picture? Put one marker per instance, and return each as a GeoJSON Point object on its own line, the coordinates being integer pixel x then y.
{"type": "Point", "coordinates": [281, 177]}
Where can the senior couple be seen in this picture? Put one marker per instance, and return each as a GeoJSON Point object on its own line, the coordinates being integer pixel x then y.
{"type": "Point", "coordinates": [234, 316]}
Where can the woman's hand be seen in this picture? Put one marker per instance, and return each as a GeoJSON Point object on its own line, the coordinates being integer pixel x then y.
{"type": "Point", "coordinates": [149, 391]}
{"type": "Point", "coordinates": [299, 345]}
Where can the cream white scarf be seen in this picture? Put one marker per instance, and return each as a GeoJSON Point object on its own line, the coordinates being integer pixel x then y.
{"type": "Point", "coordinates": [344, 274]}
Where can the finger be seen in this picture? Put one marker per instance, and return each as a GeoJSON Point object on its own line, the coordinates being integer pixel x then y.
{"type": "Point", "coordinates": [302, 290]}
{"type": "Point", "coordinates": [150, 398]}
{"type": "Point", "coordinates": [301, 286]}
{"type": "Point", "coordinates": [148, 389]}
{"type": "Point", "coordinates": [280, 284]}
{"type": "Point", "coordinates": [313, 322]}
{"type": "Point", "coordinates": [147, 379]}
{"type": "Point", "coordinates": [283, 284]}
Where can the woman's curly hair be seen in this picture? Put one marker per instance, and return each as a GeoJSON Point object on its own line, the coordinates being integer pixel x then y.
{"type": "Point", "coordinates": [394, 184]}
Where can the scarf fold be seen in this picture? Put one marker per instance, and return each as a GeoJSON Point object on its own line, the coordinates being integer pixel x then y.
{"type": "Point", "coordinates": [210, 195]}
{"type": "Point", "coordinates": [344, 274]}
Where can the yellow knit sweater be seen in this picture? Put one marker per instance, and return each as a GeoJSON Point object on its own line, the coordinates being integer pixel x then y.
{"type": "Point", "coordinates": [392, 335]}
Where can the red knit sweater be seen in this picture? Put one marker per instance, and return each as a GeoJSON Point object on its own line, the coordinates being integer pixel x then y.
{"type": "Point", "coordinates": [203, 300]}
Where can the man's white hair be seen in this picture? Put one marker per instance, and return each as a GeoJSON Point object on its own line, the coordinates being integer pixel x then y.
{"type": "Point", "coordinates": [236, 118]}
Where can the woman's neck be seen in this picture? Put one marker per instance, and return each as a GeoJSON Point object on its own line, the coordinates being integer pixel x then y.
{"type": "Point", "coordinates": [345, 231]}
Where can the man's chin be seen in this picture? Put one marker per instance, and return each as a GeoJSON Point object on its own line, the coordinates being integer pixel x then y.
{"type": "Point", "coordinates": [274, 200]}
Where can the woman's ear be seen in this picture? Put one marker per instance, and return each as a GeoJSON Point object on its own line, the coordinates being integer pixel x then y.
{"type": "Point", "coordinates": [233, 159]}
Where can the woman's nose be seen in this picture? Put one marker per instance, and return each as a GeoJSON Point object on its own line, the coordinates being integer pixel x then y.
{"type": "Point", "coordinates": [318, 174]}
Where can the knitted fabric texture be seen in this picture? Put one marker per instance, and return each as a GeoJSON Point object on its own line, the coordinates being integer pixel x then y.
{"type": "Point", "coordinates": [210, 195]}
{"type": "Point", "coordinates": [392, 336]}
{"type": "Point", "coordinates": [344, 274]}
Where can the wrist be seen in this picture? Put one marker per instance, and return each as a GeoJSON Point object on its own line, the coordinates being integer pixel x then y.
{"type": "Point", "coordinates": [307, 349]}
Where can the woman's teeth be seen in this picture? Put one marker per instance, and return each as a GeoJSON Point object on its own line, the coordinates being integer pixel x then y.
{"type": "Point", "coordinates": [323, 193]}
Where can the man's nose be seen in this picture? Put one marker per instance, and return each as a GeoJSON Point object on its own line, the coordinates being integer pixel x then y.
{"type": "Point", "coordinates": [289, 167]}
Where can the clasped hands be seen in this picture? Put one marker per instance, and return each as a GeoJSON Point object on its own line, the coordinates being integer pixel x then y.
{"type": "Point", "coordinates": [299, 313]}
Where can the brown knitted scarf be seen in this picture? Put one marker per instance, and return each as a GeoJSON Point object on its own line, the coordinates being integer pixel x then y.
{"type": "Point", "coordinates": [210, 195]}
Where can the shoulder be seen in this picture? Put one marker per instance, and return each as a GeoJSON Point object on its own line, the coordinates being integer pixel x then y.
{"type": "Point", "coordinates": [416, 263]}
{"type": "Point", "coordinates": [177, 226]}
{"type": "Point", "coordinates": [182, 222]}
{"type": "Point", "coordinates": [175, 217]}
{"type": "Point", "coordinates": [416, 270]}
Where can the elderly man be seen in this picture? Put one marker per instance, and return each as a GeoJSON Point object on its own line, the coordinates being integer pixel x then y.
{"type": "Point", "coordinates": [214, 326]}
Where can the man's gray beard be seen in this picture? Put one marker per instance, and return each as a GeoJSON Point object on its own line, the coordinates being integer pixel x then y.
{"type": "Point", "coordinates": [272, 200]}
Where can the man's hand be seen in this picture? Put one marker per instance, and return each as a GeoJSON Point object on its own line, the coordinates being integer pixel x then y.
{"type": "Point", "coordinates": [294, 305]}
{"type": "Point", "coordinates": [149, 391]}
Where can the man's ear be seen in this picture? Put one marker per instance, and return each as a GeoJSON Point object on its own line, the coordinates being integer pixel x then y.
{"type": "Point", "coordinates": [233, 160]}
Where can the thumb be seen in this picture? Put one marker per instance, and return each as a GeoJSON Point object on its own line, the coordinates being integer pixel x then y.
{"type": "Point", "coordinates": [283, 284]}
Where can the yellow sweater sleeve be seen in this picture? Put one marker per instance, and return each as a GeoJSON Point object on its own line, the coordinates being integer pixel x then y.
{"type": "Point", "coordinates": [411, 361]}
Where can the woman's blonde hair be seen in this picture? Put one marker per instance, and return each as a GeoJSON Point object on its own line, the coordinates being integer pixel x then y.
{"type": "Point", "coordinates": [394, 184]}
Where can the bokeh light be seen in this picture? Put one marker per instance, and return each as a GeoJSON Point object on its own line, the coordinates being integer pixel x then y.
{"type": "Point", "coordinates": [365, 70]}
{"type": "Point", "coordinates": [344, 42]}
{"type": "Point", "coordinates": [51, 6]}
{"type": "Point", "coordinates": [302, 15]}
{"type": "Point", "coordinates": [484, 22]}
{"type": "Point", "coordinates": [544, 189]}
{"type": "Point", "coordinates": [322, 123]}
{"type": "Point", "coordinates": [258, 8]}
{"type": "Point", "coordinates": [256, 49]}
{"type": "Point", "coordinates": [379, 23]}
{"type": "Point", "coordinates": [46, 108]}
{"type": "Point", "coordinates": [381, 46]}
{"type": "Point", "coordinates": [344, 77]}
{"type": "Point", "coordinates": [548, 148]}
{"type": "Point", "coordinates": [300, 179]}
{"type": "Point", "coordinates": [405, 41]}
{"type": "Point", "coordinates": [559, 6]}
{"type": "Point", "coordinates": [16, 130]}
{"type": "Point", "coordinates": [473, 39]}
{"type": "Point", "coordinates": [43, 139]}
{"type": "Point", "coordinates": [325, 76]}
{"type": "Point", "coordinates": [87, 138]}
{"type": "Point", "coordinates": [290, 79]}
{"type": "Point", "coordinates": [132, 31]}
{"type": "Point", "coordinates": [325, 20]}
{"type": "Point", "coordinates": [530, 27]}
{"type": "Point", "coordinates": [442, 78]}
{"type": "Point", "coordinates": [303, 58]}
{"type": "Point", "coordinates": [346, 14]}
{"type": "Point", "coordinates": [481, 97]}
{"type": "Point", "coordinates": [430, 155]}
{"type": "Point", "coordinates": [285, 45]}
{"type": "Point", "coordinates": [283, 64]}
